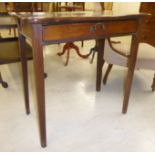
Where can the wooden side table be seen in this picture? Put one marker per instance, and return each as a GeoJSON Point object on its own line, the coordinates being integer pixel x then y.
{"type": "Point", "coordinates": [44, 29]}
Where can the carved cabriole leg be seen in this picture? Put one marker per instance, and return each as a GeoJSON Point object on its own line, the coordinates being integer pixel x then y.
{"type": "Point", "coordinates": [72, 45]}
{"type": "Point", "coordinates": [22, 50]}
{"type": "Point", "coordinates": [107, 73]}
{"type": "Point", "coordinates": [39, 80]}
{"type": "Point", "coordinates": [153, 83]}
{"type": "Point", "coordinates": [67, 48]}
{"type": "Point", "coordinates": [130, 72]}
{"type": "Point", "coordinates": [100, 61]}
{"type": "Point", "coordinates": [64, 50]}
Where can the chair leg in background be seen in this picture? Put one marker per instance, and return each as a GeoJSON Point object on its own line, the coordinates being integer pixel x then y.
{"type": "Point", "coordinates": [4, 84]}
{"type": "Point", "coordinates": [45, 75]}
{"type": "Point", "coordinates": [153, 84]}
{"type": "Point", "coordinates": [107, 73]}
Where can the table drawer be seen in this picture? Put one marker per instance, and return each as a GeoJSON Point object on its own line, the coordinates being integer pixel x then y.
{"type": "Point", "coordinates": [87, 30]}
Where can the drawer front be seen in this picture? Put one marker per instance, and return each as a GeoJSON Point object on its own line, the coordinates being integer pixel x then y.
{"type": "Point", "coordinates": [87, 30]}
{"type": "Point", "coordinates": [148, 23]}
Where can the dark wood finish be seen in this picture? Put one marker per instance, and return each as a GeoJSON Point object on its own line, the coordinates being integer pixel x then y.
{"type": "Point", "coordinates": [147, 7]}
{"type": "Point", "coordinates": [24, 71]}
{"type": "Point", "coordinates": [47, 21]}
{"type": "Point", "coordinates": [39, 79]}
{"type": "Point", "coordinates": [147, 35]}
{"type": "Point", "coordinates": [100, 62]}
{"type": "Point", "coordinates": [107, 73]}
{"type": "Point", "coordinates": [153, 84]}
{"type": "Point", "coordinates": [27, 6]}
{"type": "Point", "coordinates": [10, 45]}
{"type": "Point", "coordinates": [22, 49]}
{"type": "Point", "coordinates": [67, 48]}
{"type": "Point", "coordinates": [130, 72]}
{"type": "Point", "coordinates": [88, 30]}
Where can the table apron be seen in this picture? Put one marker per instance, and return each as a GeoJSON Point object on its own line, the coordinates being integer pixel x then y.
{"type": "Point", "coordinates": [84, 31]}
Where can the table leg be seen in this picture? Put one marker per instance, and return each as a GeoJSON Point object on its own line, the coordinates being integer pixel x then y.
{"type": "Point", "coordinates": [100, 53]}
{"type": "Point", "coordinates": [130, 73]}
{"type": "Point", "coordinates": [39, 80]}
{"type": "Point", "coordinates": [24, 71]}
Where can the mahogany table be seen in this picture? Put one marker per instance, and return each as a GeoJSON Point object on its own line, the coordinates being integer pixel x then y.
{"type": "Point", "coordinates": [50, 28]}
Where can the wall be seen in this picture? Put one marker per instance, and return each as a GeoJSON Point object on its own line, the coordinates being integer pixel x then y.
{"type": "Point", "coordinates": [126, 7]}
{"type": "Point", "coordinates": [118, 6]}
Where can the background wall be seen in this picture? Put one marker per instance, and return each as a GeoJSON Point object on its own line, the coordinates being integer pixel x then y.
{"type": "Point", "coordinates": [118, 6]}
{"type": "Point", "coordinates": [126, 6]}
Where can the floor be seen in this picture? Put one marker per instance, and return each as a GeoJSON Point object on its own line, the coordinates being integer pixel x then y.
{"type": "Point", "coordinates": [78, 117]}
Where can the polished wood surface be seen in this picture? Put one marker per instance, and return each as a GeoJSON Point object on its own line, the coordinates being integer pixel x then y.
{"type": "Point", "coordinates": [93, 26]}
{"type": "Point", "coordinates": [74, 17]}
{"type": "Point", "coordinates": [10, 53]}
{"type": "Point", "coordinates": [147, 33]}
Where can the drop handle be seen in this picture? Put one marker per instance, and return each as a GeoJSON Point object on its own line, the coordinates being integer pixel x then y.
{"type": "Point", "coordinates": [100, 25]}
{"type": "Point", "coordinates": [94, 28]}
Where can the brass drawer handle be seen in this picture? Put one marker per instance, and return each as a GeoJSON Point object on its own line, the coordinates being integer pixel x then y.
{"type": "Point", "coordinates": [100, 24]}
{"type": "Point", "coordinates": [94, 28]}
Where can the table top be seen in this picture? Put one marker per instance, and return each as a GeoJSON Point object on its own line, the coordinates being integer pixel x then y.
{"type": "Point", "coordinates": [82, 16]}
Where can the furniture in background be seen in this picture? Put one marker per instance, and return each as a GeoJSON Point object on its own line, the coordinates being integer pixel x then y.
{"type": "Point", "coordinates": [9, 53]}
{"type": "Point", "coordinates": [2, 7]}
{"type": "Point", "coordinates": [44, 30]}
{"type": "Point", "coordinates": [4, 12]}
{"type": "Point", "coordinates": [74, 6]}
{"type": "Point", "coordinates": [27, 6]}
{"type": "Point", "coordinates": [9, 49]}
{"type": "Point", "coordinates": [99, 7]}
{"type": "Point", "coordinates": [20, 7]}
{"type": "Point", "coordinates": [56, 6]}
{"type": "Point", "coordinates": [119, 54]}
